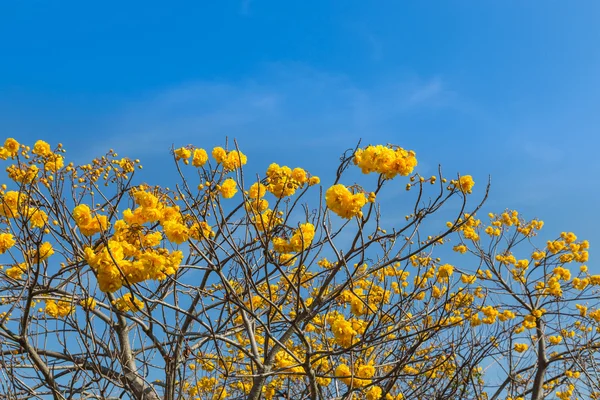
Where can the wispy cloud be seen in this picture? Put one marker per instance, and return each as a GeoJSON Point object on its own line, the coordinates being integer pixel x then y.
{"type": "Point", "coordinates": [427, 92]}
{"type": "Point", "coordinates": [245, 7]}
{"type": "Point", "coordinates": [299, 106]}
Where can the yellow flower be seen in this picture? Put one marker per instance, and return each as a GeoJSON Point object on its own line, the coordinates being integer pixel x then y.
{"type": "Point", "coordinates": [6, 242]}
{"type": "Point", "coordinates": [228, 188]}
{"type": "Point", "coordinates": [219, 154]}
{"type": "Point", "coordinates": [257, 190]}
{"type": "Point", "coordinates": [343, 373]}
{"type": "Point", "coordinates": [466, 183]}
{"type": "Point", "coordinates": [342, 202]}
{"type": "Point", "coordinates": [200, 157]}
{"type": "Point", "coordinates": [445, 271]}
{"type": "Point", "coordinates": [235, 159]}
{"type": "Point", "coordinates": [385, 160]}
{"type": "Point", "coordinates": [60, 309]}
{"type": "Point", "coordinates": [374, 393]}
{"type": "Point", "coordinates": [38, 218]}
{"type": "Point", "coordinates": [88, 304]}
{"type": "Point", "coordinates": [41, 148]}
{"type": "Point", "coordinates": [82, 215]}
{"type": "Point", "coordinates": [520, 347]}
{"type": "Point", "coordinates": [183, 153]}
{"type": "Point", "coordinates": [11, 146]}
{"type": "Point", "coordinates": [9, 204]}
{"type": "Point", "coordinates": [54, 163]}
{"type": "Point", "coordinates": [128, 303]}
{"type": "Point", "coordinates": [16, 271]}
{"type": "Point", "coordinates": [176, 232]}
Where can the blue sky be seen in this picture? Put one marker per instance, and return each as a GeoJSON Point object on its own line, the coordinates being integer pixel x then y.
{"type": "Point", "coordinates": [508, 89]}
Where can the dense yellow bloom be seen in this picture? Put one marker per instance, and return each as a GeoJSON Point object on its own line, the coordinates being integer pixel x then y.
{"type": "Point", "coordinates": [460, 248]}
{"type": "Point", "coordinates": [11, 146]}
{"type": "Point", "coordinates": [16, 271]}
{"type": "Point", "coordinates": [183, 153]}
{"type": "Point", "coordinates": [257, 190]}
{"type": "Point", "coordinates": [176, 232]}
{"type": "Point", "coordinates": [302, 237]}
{"type": "Point", "coordinates": [465, 184]}
{"type": "Point", "coordinates": [23, 174]}
{"type": "Point", "coordinates": [7, 241]}
{"type": "Point", "coordinates": [41, 148]}
{"type": "Point", "coordinates": [128, 303]}
{"type": "Point", "coordinates": [314, 180]}
{"type": "Point", "coordinates": [219, 154]}
{"type": "Point", "coordinates": [37, 218]}
{"type": "Point", "coordinates": [45, 250]}
{"type": "Point", "coordinates": [11, 203]}
{"type": "Point", "coordinates": [283, 181]}
{"type": "Point", "coordinates": [385, 160]}
{"type": "Point", "coordinates": [343, 331]}
{"type": "Point", "coordinates": [228, 188]}
{"type": "Point", "coordinates": [88, 304]}
{"type": "Point", "coordinates": [54, 163]}
{"type": "Point", "coordinates": [555, 339]}
{"type": "Point", "coordinates": [200, 158]}
{"type": "Point", "coordinates": [267, 220]}
{"type": "Point", "coordinates": [98, 224]}
{"type": "Point", "coordinates": [373, 393]}
{"type": "Point", "coordinates": [200, 231]}
{"type": "Point", "coordinates": [60, 309]}
{"type": "Point", "coordinates": [235, 159]}
{"type": "Point", "coordinates": [82, 215]}
{"type": "Point", "coordinates": [444, 272]}
{"type": "Point", "coordinates": [520, 347]}
{"type": "Point", "coordinates": [342, 202]}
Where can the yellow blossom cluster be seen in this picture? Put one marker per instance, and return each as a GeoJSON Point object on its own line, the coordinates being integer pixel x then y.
{"type": "Point", "coordinates": [386, 160]}
{"type": "Point", "coordinates": [284, 181]}
{"type": "Point", "coordinates": [89, 224]}
{"type": "Point", "coordinates": [59, 309]}
{"type": "Point", "coordinates": [300, 240]}
{"type": "Point", "coordinates": [358, 376]}
{"type": "Point", "coordinates": [343, 202]}
{"type": "Point", "coordinates": [228, 188]}
{"type": "Point", "coordinates": [128, 303]}
{"type": "Point", "coordinates": [230, 160]}
{"type": "Point", "coordinates": [465, 184]}
{"type": "Point", "coordinates": [7, 241]}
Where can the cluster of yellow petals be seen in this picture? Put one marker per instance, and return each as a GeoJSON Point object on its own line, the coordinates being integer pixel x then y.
{"type": "Point", "coordinates": [267, 220]}
{"type": "Point", "coordinates": [10, 149]}
{"type": "Point", "coordinates": [465, 184]}
{"type": "Point", "coordinates": [12, 203]}
{"type": "Point", "coordinates": [231, 160]}
{"type": "Point", "coordinates": [89, 224]}
{"type": "Point", "coordinates": [88, 303]}
{"type": "Point", "coordinates": [128, 303]}
{"type": "Point", "coordinates": [16, 271]}
{"type": "Point", "coordinates": [343, 202]}
{"type": "Point", "coordinates": [228, 188]}
{"type": "Point", "coordinates": [255, 203]}
{"type": "Point", "coordinates": [122, 261]}
{"type": "Point", "coordinates": [284, 181]}
{"type": "Point", "coordinates": [386, 160]}
{"type": "Point", "coordinates": [359, 376]}
{"type": "Point", "coordinates": [300, 240]}
{"type": "Point", "coordinates": [59, 309]}
{"type": "Point", "coordinates": [7, 241]}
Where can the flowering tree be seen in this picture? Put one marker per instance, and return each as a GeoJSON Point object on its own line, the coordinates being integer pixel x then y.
{"type": "Point", "coordinates": [231, 286]}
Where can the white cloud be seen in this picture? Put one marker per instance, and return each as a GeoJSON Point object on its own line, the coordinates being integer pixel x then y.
{"type": "Point", "coordinates": [293, 104]}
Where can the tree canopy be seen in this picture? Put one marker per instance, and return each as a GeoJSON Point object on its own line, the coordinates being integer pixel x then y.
{"type": "Point", "coordinates": [230, 285]}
